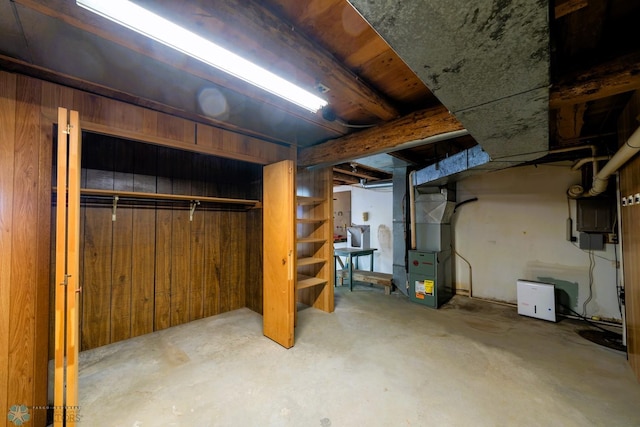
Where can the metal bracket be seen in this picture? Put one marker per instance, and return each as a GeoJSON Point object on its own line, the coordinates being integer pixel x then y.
{"type": "Point", "coordinates": [192, 208]}
{"type": "Point", "coordinates": [115, 206]}
{"type": "Point", "coordinates": [66, 280]}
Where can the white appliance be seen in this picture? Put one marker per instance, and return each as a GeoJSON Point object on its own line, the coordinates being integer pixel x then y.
{"type": "Point", "coordinates": [536, 299]}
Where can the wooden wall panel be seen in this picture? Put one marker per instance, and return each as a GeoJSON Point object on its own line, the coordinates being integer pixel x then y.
{"type": "Point", "coordinates": [226, 255]}
{"type": "Point", "coordinates": [180, 263]}
{"type": "Point", "coordinates": [97, 269]}
{"type": "Point", "coordinates": [213, 259]}
{"type": "Point", "coordinates": [163, 246]}
{"type": "Point", "coordinates": [630, 218]}
{"type": "Point", "coordinates": [22, 328]}
{"type": "Point", "coordinates": [223, 143]}
{"type": "Point", "coordinates": [253, 288]}
{"type": "Point", "coordinates": [197, 238]}
{"type": "Point", "coordinates": [122, 247]}
{"type": "Point", "coordinates": [45, 160]}
{"type": "Point", "coordinates": [98, 158]}
{"type": "Point", "coordinates": [7, 154]}
{"type": "Point", "coordinates": [180, 240]}
{"type": "Point", "coordinates": [143, 240]}
{"type": "Point", "coordinates": [234, 260]}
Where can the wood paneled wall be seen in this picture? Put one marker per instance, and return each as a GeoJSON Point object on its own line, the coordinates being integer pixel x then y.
{"type": "Point", "coordinates": [25, 232]}
{"type": "Point", "coordinates": [28, 110]}
{"type": "Point", "coordinates": [630, 220]}
{"type": "Point", "coordinates": [153, 268]}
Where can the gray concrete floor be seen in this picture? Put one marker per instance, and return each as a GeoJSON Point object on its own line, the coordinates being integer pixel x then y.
{"type": "Point", "coordinates": [377, 361]}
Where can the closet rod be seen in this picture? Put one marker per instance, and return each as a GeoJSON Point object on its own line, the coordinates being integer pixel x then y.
{"type": "Point", "coordinates": [162, 196]}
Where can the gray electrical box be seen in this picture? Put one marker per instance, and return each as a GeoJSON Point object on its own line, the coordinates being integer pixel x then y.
{"type": "Point", "coordinates": [594, 242]}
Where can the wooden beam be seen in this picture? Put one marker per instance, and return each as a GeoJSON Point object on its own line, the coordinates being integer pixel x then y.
{"type": "Point", "coordinates": [602, 81]}
{"type": "Point", "coordinates": [565, 7]}
{"type": "Point", "coordinates": [337, 176]}
{"type": "Point", "coordinates": [348, 172]}
{"type": "Point", "coordinates": [569, 121]}
{"type": "Point", "coordinates": [381, 139]}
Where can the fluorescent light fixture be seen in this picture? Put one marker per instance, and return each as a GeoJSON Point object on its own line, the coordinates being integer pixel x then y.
{"type": "Point", "coordinates": [166, 32]}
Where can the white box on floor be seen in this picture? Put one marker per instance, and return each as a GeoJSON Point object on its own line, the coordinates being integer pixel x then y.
{"type": "Point", "coordinates": [536, 299]}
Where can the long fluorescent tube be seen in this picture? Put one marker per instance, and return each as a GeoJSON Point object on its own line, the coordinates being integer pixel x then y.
{"type": "Point", "coordinates": [166, 32]}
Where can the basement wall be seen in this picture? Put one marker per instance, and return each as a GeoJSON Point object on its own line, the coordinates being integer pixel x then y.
{"type": "Point", "coordinates": [517, 230]}
{"type": "Point", "coordinates": [379, 204]}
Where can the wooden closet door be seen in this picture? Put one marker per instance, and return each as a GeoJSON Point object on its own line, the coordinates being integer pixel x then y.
{"type": "Point", "coordinates": [279, 269]}
{"type": "Point", "coordinates": [68, 286]}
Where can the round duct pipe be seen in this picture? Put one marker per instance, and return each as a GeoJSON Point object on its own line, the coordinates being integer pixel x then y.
{"type": "Point", "coordinates": [385, 183]}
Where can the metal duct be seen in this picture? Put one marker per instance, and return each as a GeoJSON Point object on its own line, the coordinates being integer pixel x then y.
{"type": "Point", "coordinates": [487, 61]}
{"type": "Point", "coordinates": [451, 167]}
{"type": "Point", "coordinates": [433, 210]}
{"type": "Point", "coordinates": [384, 183]}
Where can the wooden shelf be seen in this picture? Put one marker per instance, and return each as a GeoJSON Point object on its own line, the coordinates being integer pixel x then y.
{"type": "Point", "coordinates": [310, 261]}
{"type": "Point", "coordinates": [311, 240]}
{"type": "Point", "coordinates": [311, 220]}
{"type": "Point", "coordinates": [303, 281]}
{"type": "Point", "coordinates": [163, 196]}
{"type": "Point", "coordinates": [309, 201]}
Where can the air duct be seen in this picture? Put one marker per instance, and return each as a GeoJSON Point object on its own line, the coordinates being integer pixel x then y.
{"type": "Point", "coordinates": [384, 183]}
{"type": "Point", "coordinates": [487, 63]}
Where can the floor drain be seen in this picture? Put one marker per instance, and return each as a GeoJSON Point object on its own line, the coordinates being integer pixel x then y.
{"type": "Point", "coordinates": [604, 338]}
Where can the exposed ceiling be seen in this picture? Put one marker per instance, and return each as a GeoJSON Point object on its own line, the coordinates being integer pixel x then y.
{"type": "Point", "coordinates": [522, 77]}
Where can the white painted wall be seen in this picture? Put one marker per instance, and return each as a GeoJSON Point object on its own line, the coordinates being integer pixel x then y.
{"type": "Point", "coordinates": [379, 204]}
{"type": "Point", "coordinates": [517, 230]}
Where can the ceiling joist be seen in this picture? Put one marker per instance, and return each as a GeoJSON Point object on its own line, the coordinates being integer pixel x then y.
{"type": "Point", "coordinates": [612, 78]}
{"type": "Point", "coordinates": [381, 139]}
{"type": "Point", "coordinates": [565, 7]}
{"type": "Point", "coordinates": [569, 121]}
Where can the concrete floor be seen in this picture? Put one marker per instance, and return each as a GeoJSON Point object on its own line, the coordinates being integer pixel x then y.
{"type": "Point", "coordinates": [377, 361]}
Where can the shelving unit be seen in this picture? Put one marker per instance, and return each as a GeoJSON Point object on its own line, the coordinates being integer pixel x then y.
{"type": "Point", "coordinates": [314, 238]}
{"type": "Point", "coordinates": [298, 246]}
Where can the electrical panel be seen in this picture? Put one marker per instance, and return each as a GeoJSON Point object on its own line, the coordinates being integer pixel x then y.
{"type": "Point", "coordinates": [595, 214]}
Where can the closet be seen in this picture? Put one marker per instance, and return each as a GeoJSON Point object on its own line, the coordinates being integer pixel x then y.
{"type": "Point", "coordinates": [167, 237]}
